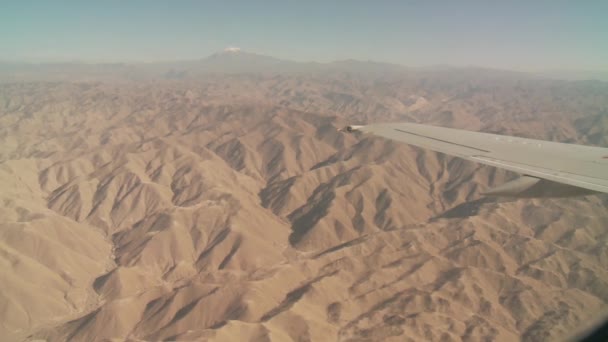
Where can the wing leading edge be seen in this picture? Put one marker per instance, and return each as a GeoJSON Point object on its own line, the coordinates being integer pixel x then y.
{"type": "Point", "coordinates": [580, 166]}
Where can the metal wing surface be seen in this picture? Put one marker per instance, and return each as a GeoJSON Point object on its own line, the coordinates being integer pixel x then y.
{"type": "Point", "coordinates": [576, 165]}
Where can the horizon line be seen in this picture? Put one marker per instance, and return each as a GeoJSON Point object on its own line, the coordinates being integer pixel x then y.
{"type": "Point", "coordinates": [237, 50]}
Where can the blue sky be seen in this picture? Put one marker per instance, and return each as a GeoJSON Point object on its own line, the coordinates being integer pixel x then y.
{"type": "Point", "coordinates": [523, 35]}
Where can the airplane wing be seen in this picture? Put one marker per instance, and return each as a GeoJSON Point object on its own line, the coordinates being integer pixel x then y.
{"type": "Point", "coordinates": [583, 167]}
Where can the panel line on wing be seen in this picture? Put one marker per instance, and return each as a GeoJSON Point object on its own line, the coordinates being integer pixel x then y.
{"type": "Point", "coordinates": [443, 141]}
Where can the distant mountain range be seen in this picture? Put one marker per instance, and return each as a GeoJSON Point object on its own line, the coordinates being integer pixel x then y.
{"type": "Point", "coordinates": [236, 61]}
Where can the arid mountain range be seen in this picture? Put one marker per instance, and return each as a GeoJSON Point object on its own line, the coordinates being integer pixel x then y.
{"type": "Point", "coordinates": [235, 61]}
{"type": "Point", "coordinates": [216, 200]}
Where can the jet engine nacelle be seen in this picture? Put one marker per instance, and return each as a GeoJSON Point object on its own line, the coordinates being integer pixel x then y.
{"type": "Point", "coordinates": [350, 128]}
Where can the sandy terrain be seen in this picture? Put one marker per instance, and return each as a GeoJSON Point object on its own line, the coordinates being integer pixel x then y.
{"type": "Point", "coordinates": [228, 207]}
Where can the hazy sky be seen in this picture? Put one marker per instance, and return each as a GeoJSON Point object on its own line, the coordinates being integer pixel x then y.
{"type": "Point", "coordinates": [528, 35]}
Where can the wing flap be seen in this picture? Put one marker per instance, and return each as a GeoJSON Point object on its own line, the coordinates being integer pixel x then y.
{"type": "Point", "coordinates": [581, 181]}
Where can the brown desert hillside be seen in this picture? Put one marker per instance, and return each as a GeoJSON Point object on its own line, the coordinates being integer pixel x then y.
{"type": "Point", "coordinates": [229, 207]}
